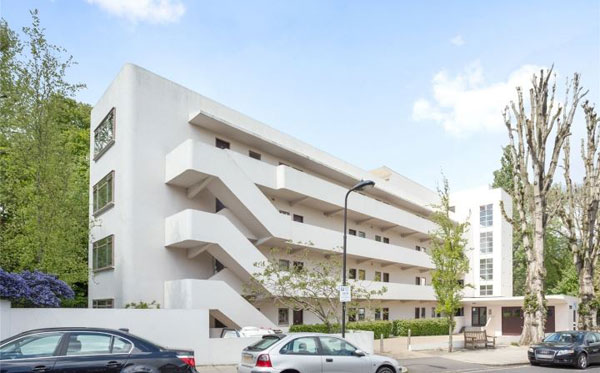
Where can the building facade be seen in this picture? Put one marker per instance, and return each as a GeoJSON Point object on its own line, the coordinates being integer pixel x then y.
{"type": "Point", "coordinates": [188, 195]}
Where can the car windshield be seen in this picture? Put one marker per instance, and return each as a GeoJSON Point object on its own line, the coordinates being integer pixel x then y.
{"type": "Point", "coordinates": [564, 337]}
{"type": "Point", "coordinates": [263, 344]}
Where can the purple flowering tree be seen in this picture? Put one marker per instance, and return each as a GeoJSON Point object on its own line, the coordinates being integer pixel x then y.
{"type": "Point", "coordinates": [33, 288]}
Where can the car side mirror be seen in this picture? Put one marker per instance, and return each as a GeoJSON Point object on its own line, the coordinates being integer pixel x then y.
{"type": "Point", "coordinates": [358, 353]}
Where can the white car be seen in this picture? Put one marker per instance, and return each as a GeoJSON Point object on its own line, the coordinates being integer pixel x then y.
{"type": "Point", "coordinates": [247, 331]}
{"type": "Point", "coordinates": [311, 353]}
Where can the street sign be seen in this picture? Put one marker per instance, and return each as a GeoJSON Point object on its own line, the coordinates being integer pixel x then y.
{"type": "Point", "coordinates": [345, 294]}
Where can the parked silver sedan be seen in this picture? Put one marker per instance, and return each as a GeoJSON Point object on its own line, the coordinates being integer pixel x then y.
{"type": "Point", "coordinates": [311, 353]}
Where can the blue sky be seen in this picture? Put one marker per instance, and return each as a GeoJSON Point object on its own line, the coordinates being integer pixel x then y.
{"type": "Point", "coordinates": [414, 85]}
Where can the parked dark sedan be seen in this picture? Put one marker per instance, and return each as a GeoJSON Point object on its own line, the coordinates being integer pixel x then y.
{"type": "Point", "coordinates": [70, 350]}
{"type": "Point", "coordinates": [579, 349]}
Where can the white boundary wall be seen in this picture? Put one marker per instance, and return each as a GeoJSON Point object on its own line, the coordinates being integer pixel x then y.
{"type": "Point", "coordinates": [177, 328]}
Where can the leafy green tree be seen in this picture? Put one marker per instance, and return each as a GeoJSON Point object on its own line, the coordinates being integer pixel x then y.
{"type": "Point", "coordinates": [448, 245]}
{"type": "Point", "coordinates": [312, 286]}
{"type": "Point", "coordinates": [44, 153]}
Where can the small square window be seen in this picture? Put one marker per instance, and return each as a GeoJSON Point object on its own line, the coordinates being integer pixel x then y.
{"type": "Point", "coordinates": [254, 155]}
{"type": "Point", "coordinates": [352, 274]}
{"type": "Point", "coordinates": [103, 194]}
{"type": "Point", "coordinates": [386, 240]}
{"type": "Point", "coordinates": [361, 234]}
{"type": "Point", "coordinates": [221, 144]}
{"type": "Point", "coordinates": [361, 314]}
{"type": "Point", "coordinates": [378, 238]}
{"type": "Point", "coordinates": [418, 248]}
{"type": "Point", "coordinates": [299, 218]}
{"type": "Point", "coordinates": [284, 265]}
{"type": "Point", "coordinates": [352, 232]}
{"type": "Point", "coordinates": [298, 266]}
{"type": "Point", "coordinates": [486, 290]}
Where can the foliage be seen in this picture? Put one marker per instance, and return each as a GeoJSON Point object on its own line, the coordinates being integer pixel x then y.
{"type": "Point", "coordinates": [143, 305]}
{"type": "Point", "coordinates": [33, 288]}
{"type": "Point", "coordinates": [316, 328]}
{"type": "Point", "coordinates": [377, 327]}
{"type": "Point", "coordinates": [44, 153]}
{"type": "Point", "coordinates": [419, 327]}
{"type": "Point", "coordinates": [448, 245]}
{"type": "Point", "coordinates": [313, 287]}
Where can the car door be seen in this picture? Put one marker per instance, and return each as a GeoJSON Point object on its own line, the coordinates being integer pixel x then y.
{"type": "Point", "coordinates": [594, 347]}
{"type": "Point", "coordinates": [338, 356]}
{"type": "Point", "coordinates": [93, 352]}
{"type": "Point", "coordinates": [31, 353]}
{"type": "Point", "coordinates": [301, 354]}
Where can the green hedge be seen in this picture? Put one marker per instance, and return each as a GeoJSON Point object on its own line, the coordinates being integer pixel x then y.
{"type": "Point", "coordinates": [387, 328]}
{"type": "Point", "coordinates": [421, 327]}
{"type": "Point", "coordinates": [377, 327]}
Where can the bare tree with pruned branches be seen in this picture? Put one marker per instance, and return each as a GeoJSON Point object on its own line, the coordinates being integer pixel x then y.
{"type": "Point", "coordinates": [535, 162]}
{"type": "Point", "coordinates": [580, 216]}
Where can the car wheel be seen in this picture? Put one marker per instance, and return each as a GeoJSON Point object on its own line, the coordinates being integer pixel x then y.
{"type": "Point", "coordinates": [385, 370]}
{"type": "Point", "coordinates": [534, 363]}
{"type": "Point", "coordinates": [582, 361]}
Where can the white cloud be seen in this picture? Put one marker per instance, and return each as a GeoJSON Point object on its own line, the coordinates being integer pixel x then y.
{"type": "Point", "coordinates": [153, 11]}
{"type": "Point", "coordinates": [457, 40]}
{"type": "Point", "coordinates": [467, 103]}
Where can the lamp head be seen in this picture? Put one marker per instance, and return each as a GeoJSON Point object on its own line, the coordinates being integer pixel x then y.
{"type": "Point", "coordinates": [363, 185]}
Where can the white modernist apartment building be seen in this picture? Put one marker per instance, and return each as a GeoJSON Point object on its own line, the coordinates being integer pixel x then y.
{"type": "Point", "coordinates": [188, 194]}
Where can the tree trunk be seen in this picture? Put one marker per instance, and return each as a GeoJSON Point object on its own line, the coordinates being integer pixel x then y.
{"type": "Point", "coordinates": [587, 311]}
{"type": "Point", "coordinates": [450, 330]}
{"type": "Point", "coordinates": [534, 307]}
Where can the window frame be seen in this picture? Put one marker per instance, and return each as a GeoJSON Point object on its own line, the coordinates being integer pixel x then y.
{"type": "Point", "coordinates": [57, 350]}
{"type": "Point", "coordinates": [109, 144]}
{"type": "Point", "coordinates": [283, 266]}
{"type": "Point", "coordinates": [385, 277]}
{"type": "Point", "coordinates": [339, 339]}
{"type": "Point", "coordinates": [67, 335]}
{"type": "Point", "coordinates": [110, 203]}
{"type": "Point", "coordinates": [352, 273]}
{"type": "Point", "coordinates": [298, 218]}
{"type": "Point", "coordinates": [486, 215]}
{"type": "Point", "coordinates": [486, 269]}
{"type": "Point", "coordinates": [361, 275]}
{"type": "Point", "coordinates": [112, 254]}
{"type": "Point", "coordinates": [486, 237]}
{"type": "Point", "coordinates": [317, 344]}
{"type": "Point", "coordinates": [222, 144]}
{"type": "Point", "coordinates": [352, 232]}
{"type": "Point", "coordinates": [489, 290]}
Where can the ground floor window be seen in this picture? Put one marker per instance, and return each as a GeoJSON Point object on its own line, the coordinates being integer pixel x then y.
{"type": "Point", "coordinates": [361, 314]}
{"type": "Point", "coordinates": [283, 317]}
{"type": "Point", "coordinates": [103, 303]}
{"type": "Point", "coordinates": [352, 314]}
{"type": "Point", "coordinates": [460, 311]}
{"type": "Point", "coordinates": [382, 313]}
{"type": "Point", "coordinates": [386, 313]}
{"type": "Point", "coordinates": [420, 312]}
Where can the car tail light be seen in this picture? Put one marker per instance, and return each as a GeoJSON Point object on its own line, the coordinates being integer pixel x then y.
{"type": "Point", "coordinates": [264, 361]}
{"type": "Point", "coordinates": [188, 359]}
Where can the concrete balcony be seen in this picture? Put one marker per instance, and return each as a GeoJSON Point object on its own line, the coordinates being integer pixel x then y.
{"type": "Point", "coordinates": [192, 162]}
{"type": "Point", "coordinates": [398, 291]}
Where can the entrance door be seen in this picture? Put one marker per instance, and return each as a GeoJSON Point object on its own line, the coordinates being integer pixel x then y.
{"type": "Point", "coordinates": [549, 327]}
{"type": "Point", "coordinates": [298, 317]}
{"type": "Point", "coordinates": [512, 320]}
{"type": "Point", "coordinates": [478, 316]}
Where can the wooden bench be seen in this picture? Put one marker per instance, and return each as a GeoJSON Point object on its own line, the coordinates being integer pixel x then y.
{"type": "Point", "coordinates": [475, 338]}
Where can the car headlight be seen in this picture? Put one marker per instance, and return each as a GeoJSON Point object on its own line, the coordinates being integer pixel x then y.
{"type": "Point", "coordinates": [531, 349]}
{"type": "Point", "coordinates": [565, 352]}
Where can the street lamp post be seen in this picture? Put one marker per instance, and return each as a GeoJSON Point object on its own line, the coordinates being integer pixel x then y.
{"type": "Point", "coordinates": [363, 184]}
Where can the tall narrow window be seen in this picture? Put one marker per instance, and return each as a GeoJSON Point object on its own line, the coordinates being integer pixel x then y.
{"type": "Point", "coordinates": [283, 316]}
{"type": "Point", "coordinates": [486, 269]}
{"type": "Point", "coordinates": [103, 194]}
{"type": "Point", "coordinates": [377, 276]}
{"type": "Point", "coordinates": [486, 242]}
{"type": "Point", "coordinates": [104, 134]}
{"type": "Point", "coordinates": [102, 253]}
{"type": "Point", "coordinates": [361, 274]}
{"type": "Point", "coordinates": [386, 313]}
{"type": "Point", "coordinates": [486, 215]}
{"type": "Point", "coordinates": [377, 313]}
{"type": "Point", "coordinates": [361, 314]}
{"type": "Point", "coordinates": [352, 274]}
{"type": "Point", "coordinates": [386, 277]}
{"type": "Point", "coordinates": [221, 144]}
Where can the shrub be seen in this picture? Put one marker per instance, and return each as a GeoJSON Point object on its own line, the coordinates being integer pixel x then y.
{"type": "Point", "coordinates": [33, 288]}
{"type": "Point", "coordinates": [314, 328]}
{"type": "Point", "coordinates": [421, 327]}
{"type": "Point", "coordinates": [377, 327]}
